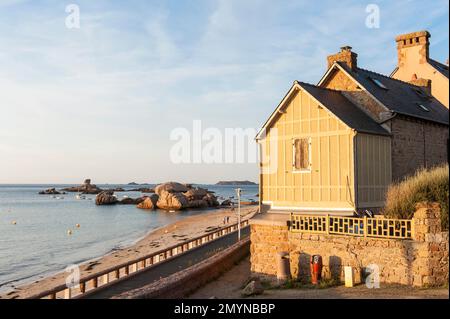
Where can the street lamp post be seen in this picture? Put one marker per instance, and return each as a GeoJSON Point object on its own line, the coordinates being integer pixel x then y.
{"type": "Point", "coordinates": [238, 193]}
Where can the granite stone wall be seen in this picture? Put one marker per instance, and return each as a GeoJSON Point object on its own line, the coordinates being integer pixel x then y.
{"type": "Point", "coordinates": [422, 261]}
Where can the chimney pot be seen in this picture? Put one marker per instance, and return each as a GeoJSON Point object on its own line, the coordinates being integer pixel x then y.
{"type": "Point", "coordinates": [347, 56]}
{"type": "Point", "coordinates": [346, 48]}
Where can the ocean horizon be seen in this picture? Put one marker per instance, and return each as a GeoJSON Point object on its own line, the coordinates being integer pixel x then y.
{"type": "Point", "coordinates": [34, 239]}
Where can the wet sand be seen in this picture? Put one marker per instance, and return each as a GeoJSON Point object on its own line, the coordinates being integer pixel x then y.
{"type": "Point", "coordinates": [156, 240]}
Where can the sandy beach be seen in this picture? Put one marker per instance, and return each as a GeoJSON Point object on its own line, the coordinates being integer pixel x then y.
{"type": "Point", "coordinates": [166, 236]}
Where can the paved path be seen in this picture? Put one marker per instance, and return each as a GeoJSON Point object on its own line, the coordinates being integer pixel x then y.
{"type": "Point", "coordinates": [167, 268]}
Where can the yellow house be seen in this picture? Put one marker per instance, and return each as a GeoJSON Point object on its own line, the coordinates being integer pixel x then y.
{"type": "Point", "coordinates": [415, 65]}
{"type": "Point", "coordinates": [336, 146]}
{"type": "Point", "coordinates": [328, 155]}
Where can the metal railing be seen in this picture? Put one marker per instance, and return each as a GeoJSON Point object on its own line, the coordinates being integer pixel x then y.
{"type": "Point", "coordinates": [107, 277]}
{"type": "Point", "coordinates": [352, 226]}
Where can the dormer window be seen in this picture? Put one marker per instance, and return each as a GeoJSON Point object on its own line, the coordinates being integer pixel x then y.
{"type": "Point", "coordinates": [378, 83]}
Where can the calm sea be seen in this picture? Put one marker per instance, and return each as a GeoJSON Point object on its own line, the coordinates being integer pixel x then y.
{"type": "Point", "coordinates": [38, 244]}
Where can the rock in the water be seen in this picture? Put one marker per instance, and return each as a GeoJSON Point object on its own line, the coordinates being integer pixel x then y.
{"type": "Point", "coordinates": [143, 190]}
{"type": "Point", "coordinates": [50, 191]}
{"type": "Point", "coordinates": [195, 194]}
{"type": "Point", "coordinates": [253, 288]}
{"type": "Point", "coordinates": [118, 189]}
{"type": "Point", "coordinates": [86, 188]}
{"type": "Point", "coordinates": [227, 202]}
{"type": "Point", "coordinates": [171, 187]}
{"type": "Point", "coordinates": [149, 202]}
{"type": "Point", "coordinates": [172, 201]}
{"type": "Point", "coordinates": [106, 198]}
{"type": "Point", "coordinates": [211, 200]}
{"type": "Point", "coordinates": [154, 198]}
{"type": "Point", "coordinates": [131, 201]}
{"type": "Point", "coordinates": [198, 203]}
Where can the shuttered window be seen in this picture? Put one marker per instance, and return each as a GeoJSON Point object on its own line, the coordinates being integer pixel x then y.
{"type": "Point", "coordinates": [302, 154]}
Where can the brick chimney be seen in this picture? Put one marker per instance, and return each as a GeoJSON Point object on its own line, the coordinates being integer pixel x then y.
{"type": "Point", "coordinates": [346, 56]}
{"type": "Point", "coordinates": [413, 48]}
{"type": "Point", "coordinates": [425, 84]}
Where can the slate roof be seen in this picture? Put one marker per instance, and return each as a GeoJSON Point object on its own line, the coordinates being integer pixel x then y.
{"type": "Point", "coordinates": [344, 109]}
{"type": "Point", "coordinates": [442, 68]}
{"type": "Point", "coordinates": [401, 97]}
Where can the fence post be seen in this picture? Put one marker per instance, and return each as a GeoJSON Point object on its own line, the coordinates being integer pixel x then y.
{"type": "Point", "coordinates": [327, 224]}
{"type": "Point", "coordinates": [95, 282]}
{"type": "Point", "coordinates": [291, 221]}
{"type": "Point", "coordinates": [365, 226]}
{"type": "Point", "coordinates": [105, 279]}
{"type": "Point", "coordinates": [82, 287]}
{"type": "Point", "coordinates": [67, 293]}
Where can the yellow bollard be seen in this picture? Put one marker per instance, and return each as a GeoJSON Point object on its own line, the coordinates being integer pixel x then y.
{"type": "Point", "coordinates": [349, 277]}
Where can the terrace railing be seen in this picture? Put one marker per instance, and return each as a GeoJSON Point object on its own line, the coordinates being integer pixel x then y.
{"type": "Point", "coordinates": [352, 226]}
{"type": "Point", "coordinates": [108, 277]}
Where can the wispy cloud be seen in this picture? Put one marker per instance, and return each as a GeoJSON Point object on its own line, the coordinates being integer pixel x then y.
{"type": "Point", "coordinates": [101, 100]}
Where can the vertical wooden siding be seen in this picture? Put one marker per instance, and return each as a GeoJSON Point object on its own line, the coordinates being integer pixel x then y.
{"type": "Point", "coordinates": [330, 183]}
{"type": "Point", "coordinates": [373, 169]}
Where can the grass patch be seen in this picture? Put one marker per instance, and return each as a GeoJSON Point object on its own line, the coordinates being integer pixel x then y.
{"type": "Point", "coordinates": [426, 185]}
{"type": "Point", "coordinates": [295, 284]}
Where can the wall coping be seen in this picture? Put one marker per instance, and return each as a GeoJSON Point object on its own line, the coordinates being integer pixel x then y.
{"type": "Point", "coordinates": [179, 285]}
{"type": "Point", "coordinates": [267, 219]}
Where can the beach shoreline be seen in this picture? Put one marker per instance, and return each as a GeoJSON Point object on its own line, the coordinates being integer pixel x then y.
{"type": "Point", "coordinates": [152, 241]}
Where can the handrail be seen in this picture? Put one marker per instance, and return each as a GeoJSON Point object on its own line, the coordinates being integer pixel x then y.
{"type": "Point", "coordinates": [185, 246]}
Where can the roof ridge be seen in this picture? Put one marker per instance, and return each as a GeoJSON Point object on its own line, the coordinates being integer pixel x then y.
{"type": "Point", "coordinates": [443, 64]}
{"type": "Point", "coordinates": [387, 77]}
{"type": "Point", "coordinates": [319, 87]}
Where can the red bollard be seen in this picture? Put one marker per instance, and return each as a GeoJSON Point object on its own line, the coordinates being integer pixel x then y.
{"type": "Point", "coordinates": [316, 269]}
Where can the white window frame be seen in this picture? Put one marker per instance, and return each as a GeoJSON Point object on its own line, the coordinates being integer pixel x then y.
{"type": "Point", "coordinates": [304, 170]}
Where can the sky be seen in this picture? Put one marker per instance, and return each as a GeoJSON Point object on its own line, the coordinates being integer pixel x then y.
{"type": "Point", "coordinates": [101, 101]}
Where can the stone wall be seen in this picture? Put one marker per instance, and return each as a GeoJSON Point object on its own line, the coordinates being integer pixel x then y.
{"type": "Point", "coordinates": [422, 261]}
{"type": "Point", "coordinates": [340, 81]}
{"type": "Point", "coordinates": [416, 144]}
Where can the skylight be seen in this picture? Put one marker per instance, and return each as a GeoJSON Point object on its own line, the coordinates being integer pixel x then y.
{"type": "Point", "coordinates": [423, 107]}
{"type": "Point", "coordinates": [420, 93]}
{"type": "Point", "coordinates": [379, 83]}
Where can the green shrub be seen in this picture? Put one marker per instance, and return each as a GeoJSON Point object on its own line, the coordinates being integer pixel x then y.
{"type": "Point", "coordinates": [426, 185]}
